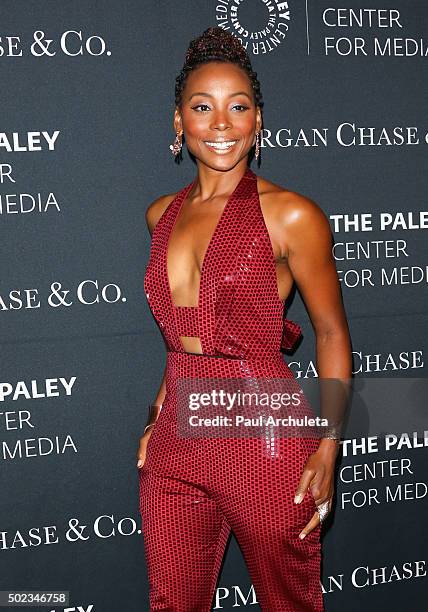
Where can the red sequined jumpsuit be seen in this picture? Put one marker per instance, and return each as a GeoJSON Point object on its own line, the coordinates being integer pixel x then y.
{"type": "Point", "coordinates": [193, 492]}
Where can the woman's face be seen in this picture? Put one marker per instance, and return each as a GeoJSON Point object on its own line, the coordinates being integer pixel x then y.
{"type": "Point", "coordinates": [218, 107]}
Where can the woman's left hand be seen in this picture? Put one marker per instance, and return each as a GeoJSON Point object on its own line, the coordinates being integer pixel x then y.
{"type": "Point", "coordinates": [318, 476]}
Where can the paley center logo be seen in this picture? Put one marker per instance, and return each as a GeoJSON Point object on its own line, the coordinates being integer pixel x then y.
{"type": "Point", "coordinates": [260, 26]}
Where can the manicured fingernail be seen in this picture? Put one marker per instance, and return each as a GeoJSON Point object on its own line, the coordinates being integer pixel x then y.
{"type": "Point", "coordinates": [298, 498]}
{"type": "Point", "coordinates": [302, 535]}
{"type": "Point", "coordinates": [140, 463]}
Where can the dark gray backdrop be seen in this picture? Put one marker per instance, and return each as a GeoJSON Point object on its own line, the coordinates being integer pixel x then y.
{"type": "Point", "coordinates": [111, 158]}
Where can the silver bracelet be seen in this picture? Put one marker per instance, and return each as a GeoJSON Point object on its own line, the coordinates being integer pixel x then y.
{"type": "Point", "coordinates": [331, 432]}
{"type": "Point", "coordinates": [150, 424]}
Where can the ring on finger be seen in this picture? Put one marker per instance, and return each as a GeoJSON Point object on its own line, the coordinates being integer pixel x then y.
{"type": "Point", "coordinates": [323, 509]}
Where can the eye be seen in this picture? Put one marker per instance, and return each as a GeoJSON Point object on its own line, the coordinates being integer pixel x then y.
{"type": "Point", "coordinates": [198, 105]}
{"type": "Point", "coordinates": [242, 106]}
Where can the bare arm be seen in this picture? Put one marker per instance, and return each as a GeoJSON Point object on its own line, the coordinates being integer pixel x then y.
{"type": "Point", "coordinates": [310, 259]}
{"type": "Point", "coordinates": [308, 248]}
{"type": "Point", "coordinates": [153, 214]}
{"type": "Point", "coordinates": [313, 268]}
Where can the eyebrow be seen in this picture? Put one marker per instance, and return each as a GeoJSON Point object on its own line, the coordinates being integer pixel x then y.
{"type": "Point", "coordinates": [204, 93]}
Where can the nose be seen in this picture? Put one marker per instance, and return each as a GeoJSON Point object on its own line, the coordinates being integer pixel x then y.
{"type": "Point", "coordinates": [220, 121]}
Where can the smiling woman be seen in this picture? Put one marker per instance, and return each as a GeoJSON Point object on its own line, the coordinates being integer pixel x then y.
{"type": "Point", "coordinates": [227, 97]}
{"type": "Point", "coordinates": [226, 250]}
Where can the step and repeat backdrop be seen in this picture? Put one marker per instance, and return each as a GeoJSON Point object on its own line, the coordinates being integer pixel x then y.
{"type": "Point", "coordinates": [86, 123]}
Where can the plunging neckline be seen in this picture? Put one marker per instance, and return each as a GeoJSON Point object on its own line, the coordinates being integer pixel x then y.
{"type": "Point", "coordinates": [209, 246]}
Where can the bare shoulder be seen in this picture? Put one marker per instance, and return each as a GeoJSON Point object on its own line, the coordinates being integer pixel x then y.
{"type": "Point", "coordinates": [156, 209]}
{"type": "Point", "coordinates": [286, 209]}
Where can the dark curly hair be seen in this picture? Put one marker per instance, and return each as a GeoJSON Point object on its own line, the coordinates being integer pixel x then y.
{"type": "Point", "coordinates": [216, 45]}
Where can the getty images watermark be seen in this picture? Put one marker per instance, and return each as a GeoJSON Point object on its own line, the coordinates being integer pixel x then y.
{"type": "Point", "coordinates": [212, 408]}
{"type": "Point", "coordinates": [302, 408]}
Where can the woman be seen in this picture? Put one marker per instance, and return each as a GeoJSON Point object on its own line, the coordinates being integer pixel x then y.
{"type": "Point", "coordinates": [226, 250]}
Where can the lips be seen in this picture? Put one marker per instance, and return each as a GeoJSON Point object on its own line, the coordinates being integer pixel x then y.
{"type": "Point", "coordinates": [220, 145]}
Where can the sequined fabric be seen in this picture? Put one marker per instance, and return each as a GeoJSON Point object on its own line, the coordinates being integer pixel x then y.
{"type": "Point", "coordinates": [193, 492]}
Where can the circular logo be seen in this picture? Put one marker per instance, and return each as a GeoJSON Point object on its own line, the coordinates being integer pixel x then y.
{"type": "Point", "coordinates": [260, 25]}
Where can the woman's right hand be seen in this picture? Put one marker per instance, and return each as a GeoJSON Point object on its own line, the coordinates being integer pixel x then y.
{"type": "Point", "coordinates": [142, 447]}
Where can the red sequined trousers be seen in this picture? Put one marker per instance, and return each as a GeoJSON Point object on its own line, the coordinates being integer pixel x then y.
{"type": "Point", "coordinates": [194, 491]}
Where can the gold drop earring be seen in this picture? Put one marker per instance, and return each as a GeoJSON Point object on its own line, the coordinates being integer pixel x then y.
{"type": "Point", "coordinates": [177, 145]}
{"type": "Point", "coordinates": [257, 151]}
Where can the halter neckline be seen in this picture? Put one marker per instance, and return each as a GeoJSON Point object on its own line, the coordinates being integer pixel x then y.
{"type": "Point", "coordinates": [182, 197]}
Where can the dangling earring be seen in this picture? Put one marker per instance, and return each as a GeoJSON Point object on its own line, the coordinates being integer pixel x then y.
{"type": "Point", "coordinates": [257, 151]}
{"type": "Point", "coordinates": [176, 147]}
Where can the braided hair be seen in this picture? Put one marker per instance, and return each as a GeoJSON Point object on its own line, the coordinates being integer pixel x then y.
{"type": "Point", "coordinates": [216, 45]}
